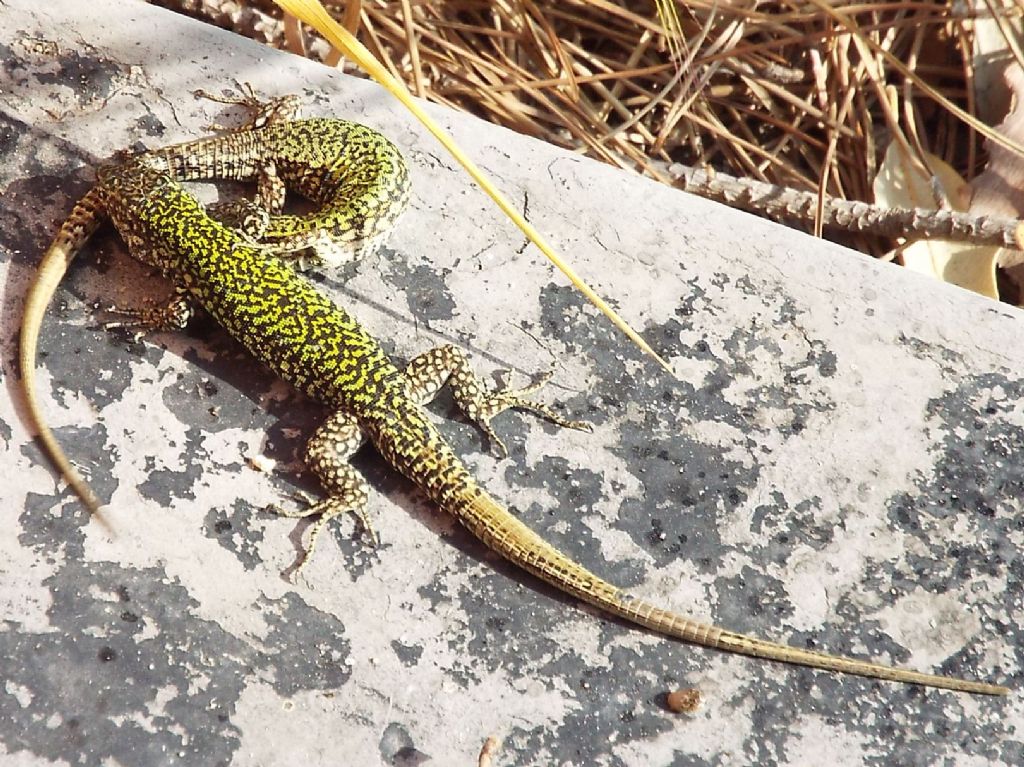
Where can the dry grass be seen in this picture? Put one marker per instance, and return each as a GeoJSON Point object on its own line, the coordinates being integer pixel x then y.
{"type": "Point", "coordinates": [777, 91]}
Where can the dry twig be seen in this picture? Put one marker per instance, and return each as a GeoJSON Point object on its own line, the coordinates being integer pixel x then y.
{"type": "Point", "coordinates": [806, 208]}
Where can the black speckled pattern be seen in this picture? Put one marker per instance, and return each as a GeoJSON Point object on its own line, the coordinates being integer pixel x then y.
{"type": "Point", "coordinates": [194, 650]}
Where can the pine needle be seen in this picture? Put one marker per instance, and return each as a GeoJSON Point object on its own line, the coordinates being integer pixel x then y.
{"type": "Point", "coordinates": [314, 14]}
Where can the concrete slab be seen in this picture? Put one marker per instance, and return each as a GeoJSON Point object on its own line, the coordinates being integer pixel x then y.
{"type": "Point", "coordinates": [837, 466]}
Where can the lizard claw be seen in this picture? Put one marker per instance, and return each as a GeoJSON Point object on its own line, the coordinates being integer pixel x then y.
{"type": "Point", "coordinates": [326, 509]}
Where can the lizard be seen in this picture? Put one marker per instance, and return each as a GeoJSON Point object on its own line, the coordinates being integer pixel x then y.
{"type": "Point", "coordinates": [321, 349]}
{"type": "Point", "coordinates": [317, 346]}
{"type": "Point", "coordinates": [357, 177]}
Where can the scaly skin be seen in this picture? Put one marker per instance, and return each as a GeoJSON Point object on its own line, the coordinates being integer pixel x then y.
{"type": "Point", "coordinates": [73, 234]}
{"type": "Point", "coordinates": [308, 340]}
{"type": "Point", "coordinates": [322, 350]}
{"type": "Point", "coordinates": [357, 179]}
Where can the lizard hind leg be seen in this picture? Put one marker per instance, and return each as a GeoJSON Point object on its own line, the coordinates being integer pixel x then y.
{"type": "Point", "coordinates": [251, 218]}
{"type": "Point", "coordinates": [427, 373]}
{"type": "Point", "coordinates": [174, 314]}
{"type": "Point", "coordinates": [327, 454]}
{"type": "Point", "coordinates": [245, 216]}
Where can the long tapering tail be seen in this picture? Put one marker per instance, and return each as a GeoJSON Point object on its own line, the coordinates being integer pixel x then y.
{"type": "Point", "coordinates": [79, 226]}
{"type": "Point", "coordinates": [502, 532]}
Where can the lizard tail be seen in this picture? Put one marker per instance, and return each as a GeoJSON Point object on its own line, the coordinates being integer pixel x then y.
{"type": "Point", "coordinates": [80, 225]}
{"type": "Point", "coordinates": [505, 534]}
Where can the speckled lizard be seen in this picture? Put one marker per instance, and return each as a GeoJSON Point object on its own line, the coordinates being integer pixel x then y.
{"type": "Point", "coordinates": [321, 349]}
{"type": "Point", "coordinates": [356, 177]}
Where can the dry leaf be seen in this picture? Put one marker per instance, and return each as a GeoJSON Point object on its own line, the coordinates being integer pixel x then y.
{"type": "Point", "coordinates": [999, 190]}
{"type": "Point", "coordinates": [902, 183]}
{"type": "Point", "coordinates": [990, 56]}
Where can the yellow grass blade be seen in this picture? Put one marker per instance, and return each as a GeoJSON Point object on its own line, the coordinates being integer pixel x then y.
{"type": "Point", "coordinates": [669, 19]}
{"type": "Point", "coordinates": [314, 14]}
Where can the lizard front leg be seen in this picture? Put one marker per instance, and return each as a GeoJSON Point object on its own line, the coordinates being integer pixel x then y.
{"type": "Point", "coordinates": [175, 312]}
{"type": "Point", "coordinates": [293, 239]}
{"type": "Point", "coordinates": [427, 373]}
{"type": "Point", "coordinates": [327, 454]}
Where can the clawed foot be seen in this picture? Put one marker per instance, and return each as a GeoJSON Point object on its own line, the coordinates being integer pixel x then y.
{"type": "Point", "coordinates": [326, 509]}
{"type": "Point", "coordinates": [170, 315]}
{"type": "Point", "coordinates": [427, 373]}
{"type": "Point", "coordinates": [493, 403]}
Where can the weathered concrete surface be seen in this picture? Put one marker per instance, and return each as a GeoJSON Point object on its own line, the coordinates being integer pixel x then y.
{"type": "Point", "coordinates": [839, 464]}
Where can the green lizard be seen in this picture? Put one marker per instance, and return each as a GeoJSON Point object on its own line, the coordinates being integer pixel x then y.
{"type": "Point", "coordinates": [321, 349]}
{"type": "Point", "coordinates": [357, 178]}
